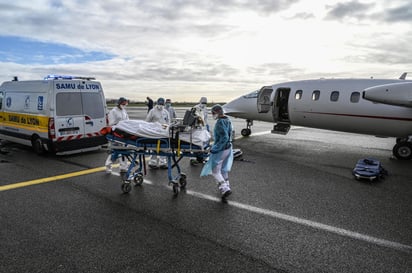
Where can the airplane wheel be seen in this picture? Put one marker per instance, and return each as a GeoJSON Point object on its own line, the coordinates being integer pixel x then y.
{"type": "Point", "coordinates": [245, 132]}
{"type": "Point", "coordinates": [403, 150]}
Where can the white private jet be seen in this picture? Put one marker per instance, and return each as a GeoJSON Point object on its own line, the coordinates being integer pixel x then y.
{"type": "Point", "coordinates": [379, 107]}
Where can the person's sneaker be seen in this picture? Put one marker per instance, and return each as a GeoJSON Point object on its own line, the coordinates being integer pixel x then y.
{"type": "Point", "coordinates": [153, 166]}
{"type": "Point", "coordinates": [225, 195]}
{"type": "Point", "coordinates": [224, 190]}
{"type": "Point", "coordinates": [108, 169]}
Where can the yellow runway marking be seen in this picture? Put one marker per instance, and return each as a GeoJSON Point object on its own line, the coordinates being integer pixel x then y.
{"type": "Point", "coordinates": [49, 179]}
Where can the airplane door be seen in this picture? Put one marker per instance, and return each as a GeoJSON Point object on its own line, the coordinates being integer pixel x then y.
{"type": "Point", "coordinates": [281, 109]}
{"type": "Point", "coordinates": [263, 100]}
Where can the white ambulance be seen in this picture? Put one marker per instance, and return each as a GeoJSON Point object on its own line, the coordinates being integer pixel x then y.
{"type": "Point", "coordinates": [56, 114]}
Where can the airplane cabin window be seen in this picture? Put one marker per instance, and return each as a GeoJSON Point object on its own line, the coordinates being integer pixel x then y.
{"type": "Point", "coordinates": [354, 97]}
{"type": "Point", "coordinates": [334, 96]}
{"type": "Point", "coordinates": [316, 95]}
{"type": "Point", "coordinates": [298, 94]}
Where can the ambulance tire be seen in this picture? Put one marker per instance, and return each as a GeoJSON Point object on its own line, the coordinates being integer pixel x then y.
{"type": "Point", "coordinates": [37, 145]}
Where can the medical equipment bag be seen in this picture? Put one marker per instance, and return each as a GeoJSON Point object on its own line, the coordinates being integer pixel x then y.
{"type": "Point", "coordinates": [369, 169]}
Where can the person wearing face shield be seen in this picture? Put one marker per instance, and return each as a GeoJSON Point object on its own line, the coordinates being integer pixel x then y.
{"type": "Point", "coordinates": [161, 115]}
{"type": "Point", "coordinates": [115, 115]}
{"type": "Point", "coordinates": [221, 157]}
{"type": "Point", "coordinates": [201, 112]}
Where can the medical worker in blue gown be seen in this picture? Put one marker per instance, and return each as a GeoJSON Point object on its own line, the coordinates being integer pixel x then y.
{"type": "Point", "coordinates": [221, 157]}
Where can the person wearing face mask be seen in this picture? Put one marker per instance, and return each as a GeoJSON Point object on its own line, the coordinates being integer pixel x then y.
{"type": "Point", "coordinates": [115, 115]}
{"type": "Point", "coordinates": [170, 109]}
{"type": "Point", "coordinates": [221, 157]}
{"type": "Point", "coordinates": [201, 112]}
{"type": "Point", "coordinates": [161, 115]}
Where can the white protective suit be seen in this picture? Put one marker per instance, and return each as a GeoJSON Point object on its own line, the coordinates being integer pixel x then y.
{"type": "Point", "coordinates": [161, 115]}
{"type": "Point", "coordinates": [158, 114]}
{"type": "Point", "coordinates": [201, 111]}
{"type": "Point", "coordinates": [115, 115]}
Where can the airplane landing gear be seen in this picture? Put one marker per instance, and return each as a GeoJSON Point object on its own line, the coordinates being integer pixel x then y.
{"type": "Point", "coordinates": [402, 150]}
{"type": "Point", "coordinates": [247, 131]}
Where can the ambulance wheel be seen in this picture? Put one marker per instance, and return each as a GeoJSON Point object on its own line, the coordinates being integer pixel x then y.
{"type": "Point", "coordinates": [126, 187]}
{"type": "Point", "coordinates": [246, 132]}
{"type": "Point", "coordinates": [37, 145]}
{"type": "Point", "coordinates": [138, 179]}
{"type": "Point", "coordinates": [403, 150]}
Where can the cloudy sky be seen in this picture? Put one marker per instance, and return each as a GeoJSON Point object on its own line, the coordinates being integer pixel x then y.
{"type": "Point", "coordinates": [185, 49]}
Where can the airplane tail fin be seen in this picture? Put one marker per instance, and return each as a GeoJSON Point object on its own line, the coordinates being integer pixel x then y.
{"type": "Point", "coordinates": [403, 76]}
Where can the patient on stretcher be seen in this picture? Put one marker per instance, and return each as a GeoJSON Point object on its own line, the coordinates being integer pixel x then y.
{"type": "Point", "coordinates": [142, 128]}
{"type": "Point", "coordinates": [133, 129]}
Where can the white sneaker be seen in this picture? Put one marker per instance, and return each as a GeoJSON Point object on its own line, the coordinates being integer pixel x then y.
{"type": "Point", "coordinates": [153, 163]}
{"type": "Point", "coordinates": [224, 189]}
{"type": "Point", "coordinates": [108, 169]}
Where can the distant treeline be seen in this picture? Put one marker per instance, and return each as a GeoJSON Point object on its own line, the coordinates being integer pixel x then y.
{"type": "Point", "coordinates": [176, 104]}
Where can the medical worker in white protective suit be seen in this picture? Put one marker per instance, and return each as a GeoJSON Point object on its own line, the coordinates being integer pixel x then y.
{"type": "Point", "coordinates": [161, 115]}
{"type": "Point", "coordinates": [201, 111]}
{"type": "Point", "coordinates": [221, 157]}
{"type": "Point", "coordinates": [117, 114]}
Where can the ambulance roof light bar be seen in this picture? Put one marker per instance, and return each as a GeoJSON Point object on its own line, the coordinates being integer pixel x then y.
{"type": "Point", "coordinates": [67, 77]}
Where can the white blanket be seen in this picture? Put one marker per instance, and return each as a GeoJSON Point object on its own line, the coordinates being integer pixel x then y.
{"type": "Point", "coordinates": [199, 137]}
{"type": "Point", "coordinates": [141, 128]}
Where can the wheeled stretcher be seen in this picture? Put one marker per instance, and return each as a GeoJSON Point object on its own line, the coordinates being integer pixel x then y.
{"type": "Point", "coordinates": [135, 148]}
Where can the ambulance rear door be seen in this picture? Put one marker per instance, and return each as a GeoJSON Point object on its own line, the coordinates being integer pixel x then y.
{"type": "Point", "coordinates": [80, 112]}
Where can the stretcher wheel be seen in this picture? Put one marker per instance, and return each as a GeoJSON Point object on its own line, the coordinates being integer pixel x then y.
{"type": "Point", "coordinates": [126, 187]}
{"type": "Point", "coordinates": [182, 181]}
{"type": "Point", "coordinates": [175, 188]}
{"type": "Point", "coordinates": [138, 179]}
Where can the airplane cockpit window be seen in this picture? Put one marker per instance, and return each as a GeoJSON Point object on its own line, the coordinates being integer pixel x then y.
{"type": "Point", "coordinates": [316, 95]}
{"type": "Point", "coordinates": [354, 97]}
{"type": "Point", "coordinates": [252, 95]}
{"type": "Point", "coordinates": [334, 96]}
{"type": "Point", "coordinates": [298, 94]}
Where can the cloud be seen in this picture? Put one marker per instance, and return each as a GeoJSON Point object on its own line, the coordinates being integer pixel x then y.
{"type": "Point", "coordinates": [225, 47]}
{"type": "Point", "coordinates": [395, 11]}
{"type": "Point", "coordinates": [402, 13]}
{"type": "Point", "coordinates": [351, 9]}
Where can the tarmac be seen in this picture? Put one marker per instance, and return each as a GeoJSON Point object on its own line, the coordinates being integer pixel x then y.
{"type": "Point", "coordinates": [295, 207]}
